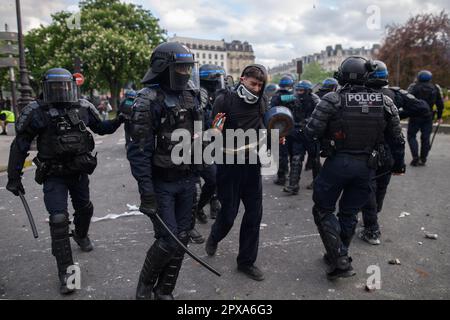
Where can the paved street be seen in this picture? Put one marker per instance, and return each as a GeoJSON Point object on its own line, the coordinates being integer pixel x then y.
{"type": "Point", "coordinates": [290, 248]}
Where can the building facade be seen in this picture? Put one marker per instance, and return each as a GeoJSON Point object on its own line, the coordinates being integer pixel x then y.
{"type": "Point", "coordinates": [233, 56]}
{"type": "Point", "coordinates": [330, 59]}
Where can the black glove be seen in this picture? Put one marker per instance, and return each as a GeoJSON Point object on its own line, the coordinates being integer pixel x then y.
{"type": "Point", "coordinates": [15, 186]}
{"type": "Point", "coordinates": [148, 205]}
{"type": "Point", "coordinates": [121, 117]}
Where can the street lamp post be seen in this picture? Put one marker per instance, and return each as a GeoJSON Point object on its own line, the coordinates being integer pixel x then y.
{"type": "Point", "coordinates": [25, 89]}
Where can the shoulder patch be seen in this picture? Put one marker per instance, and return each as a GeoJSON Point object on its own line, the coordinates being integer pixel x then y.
{"type": "Point", "coordinates": [26, 116]}
{"type": "Point", "coordinates": [148, 93]}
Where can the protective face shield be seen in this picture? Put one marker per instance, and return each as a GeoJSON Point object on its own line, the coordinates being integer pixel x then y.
{"type": "Point", "coordinates": [246, 94]}
{"type": "Point", "coordinates": [212, 77]}
{"type": "Point", "coordinates": [184, 76]}
{"type": "Point", "coordinates": [60, 92]}
{"type": "Point", "coordinates": [279, 118]}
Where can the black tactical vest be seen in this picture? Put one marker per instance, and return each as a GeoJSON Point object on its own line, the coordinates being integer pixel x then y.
{"type": "Point", "coordinates": [427, 92]}
{"type": "Point", "coordinates": [178, 112]}
{"type": "Point", "coordinates": [66, 135]}
{"type": "Point", "coordinates": [359, 125]}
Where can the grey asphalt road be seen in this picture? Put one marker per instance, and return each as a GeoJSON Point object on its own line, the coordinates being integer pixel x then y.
{"type": "Point", "coordinates": [290, 251]}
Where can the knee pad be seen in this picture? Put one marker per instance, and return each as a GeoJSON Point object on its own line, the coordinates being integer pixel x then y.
{"type": "Point", "coordinates": [59, 225]}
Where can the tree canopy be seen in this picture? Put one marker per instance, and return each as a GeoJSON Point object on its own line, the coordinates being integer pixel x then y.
{"type": "Point", "coordinates": [114, 42]}
{"type": "Point", "coordinates": [423, 42]}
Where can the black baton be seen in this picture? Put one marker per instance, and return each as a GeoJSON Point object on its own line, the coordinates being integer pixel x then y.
{"type": "Point", "coordinates": [30, 217]}
{"type": "Point", "coordinates": [203, 263]}
{"type": "Point", "coordinates": [434, 135]}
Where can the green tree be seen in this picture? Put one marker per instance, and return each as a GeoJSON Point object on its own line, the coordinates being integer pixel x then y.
{"type": "Point", "coordinates": [114, 42]}
{"type": "Point", "coordinates": [315, 73]}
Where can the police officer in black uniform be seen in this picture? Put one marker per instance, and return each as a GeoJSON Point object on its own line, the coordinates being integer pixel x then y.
{"type": "Point", "coordinates": [354, 122]}
{"type": "Point", "coordinates": [426, 90]}
{"type": "Point", "coordinates": [212, 80]}
{"type": "Point", "coordinates": [244, 109]}
{"type": "Point", "coordinates": [125, 109]}
{"type": "Point", "coordinates": [302, 106]}
{"type": "Point", "coordinates": [390, 155]}
{"type": "Point", "coordinates": [168, 102]}
{"type": "Point", "coordinates": [282, 98]}
{"type": "Point", "coordinates": [64, 160]}
{"type": "Point", "coordinates": [328, 85]}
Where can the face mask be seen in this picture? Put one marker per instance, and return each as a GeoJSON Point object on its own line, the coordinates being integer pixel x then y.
{"type": "Point", "coordinates": [245, 94]}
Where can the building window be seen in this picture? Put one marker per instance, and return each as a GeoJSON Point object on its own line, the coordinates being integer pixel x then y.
{"type": "Point", "coordinates": [221, 64]}
{"type": "Point", "coordinates": [215, 56]}
{"type": "Point", "coordinates": [210, 62]}
{"type": "Point", "coordinates": [221, 56]}
{"type": "Point", "coordinates": [204, 56]}
{"type": "Point", "coordinates": [200, 47]}
{"type": "Point", "coordinates": [210, 56]}
{"type": "Point", "coordinates": [197, 55]}
{"type": "Point", "coordinates": [194, 46]}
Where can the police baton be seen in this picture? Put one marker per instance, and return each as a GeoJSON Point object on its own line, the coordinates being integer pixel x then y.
{"type": "Point", "coordinates": [434, 135]}
{"type": "Point", "coordinates": [193, 256]}
{"type": "Point", "coordinates": [30, 217]}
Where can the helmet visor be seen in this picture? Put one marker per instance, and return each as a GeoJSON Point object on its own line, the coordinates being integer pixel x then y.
{"type": "Point", "coordinates": [60, 91]}
{"type": "Point", "coordinates": [184, 76]}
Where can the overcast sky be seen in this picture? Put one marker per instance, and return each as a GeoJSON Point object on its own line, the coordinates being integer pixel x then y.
{"type": "Point", "coordinates": [278, 30]}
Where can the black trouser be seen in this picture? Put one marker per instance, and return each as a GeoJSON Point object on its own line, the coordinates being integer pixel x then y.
{"type": "Point", "coordinates": [376, 199]}
{"type": "Point", "coordinates": [238, 182]}
{"type": "Point", "coordinates": [425, 126]}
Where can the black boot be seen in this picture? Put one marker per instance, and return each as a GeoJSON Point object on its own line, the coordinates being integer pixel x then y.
{"type": "Point", "coordinates": [195, 236]}
{"type": "Point", "coordinates": [294, 177]}
{"type": "Point", "coordinates": [168, 278]}
{"type": "Point", "coordinates": [82, 220]}
{"type": "Point", "coordinates": [415, 162]}
{"type": "Point", "coordinates": [342, 268]}
{"type": "Point", "coordinates": [59, 231]}
{"type": "Point", "coordinates": [157, 257]}
{"type": "Point", "coordinates": [215, 207]}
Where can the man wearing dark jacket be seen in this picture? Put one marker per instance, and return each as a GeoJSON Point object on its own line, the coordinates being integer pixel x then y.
{"type": "Point", "coordinates": [240, 109]}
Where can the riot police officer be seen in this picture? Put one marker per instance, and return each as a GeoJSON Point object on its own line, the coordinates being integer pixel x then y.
{"type": "Point", "coordinates": [426, 90]}
{"type": "Point", "coordinates": [125, 109]}
{"type": "Point", "coordinates": [270, 91]}
{"type": "Point", "coordinates": [169, 102]}
{"type": "Point", "coordinates": [301, 106]}
{"type": "Point", "coordinates": [212, 80]}
{"type": "Point", "coordinates": [378, 80]}
{"type": "Point", "coordinates": [64, 160]}
{"type": "Point", "coordinates": [282, 98]}
{"type": "Point", "coordinates": [354, 122]}
{"type": "Point", "coordinates": [328, 85]}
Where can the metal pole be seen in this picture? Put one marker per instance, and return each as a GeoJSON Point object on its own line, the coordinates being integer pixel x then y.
{"type": "Point", "coordinates": [12, 78]}
{"type": "Point", "coordinates": [25, 89]}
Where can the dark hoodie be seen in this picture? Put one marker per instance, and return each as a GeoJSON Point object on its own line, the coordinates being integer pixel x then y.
{"type": "Point", "coordinates": [239, 114]}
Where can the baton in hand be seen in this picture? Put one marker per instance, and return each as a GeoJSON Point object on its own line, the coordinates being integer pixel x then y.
{"type": "Point", "coordinates": [30, 217]}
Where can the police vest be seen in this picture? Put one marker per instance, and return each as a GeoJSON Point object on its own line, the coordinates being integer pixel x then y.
{"type": "Point", "coordinates": [178, 112]}
{"type": "Point", "coordinates": [66, 136]}
{"type": "Point", "coordinates": [360, 123]}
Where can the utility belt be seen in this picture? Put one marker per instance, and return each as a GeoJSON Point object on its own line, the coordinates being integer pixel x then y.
{"type": "Point", "coordinates": [171, 175]}
{"type": "Point", "coordinates": [375, 158]}
{"type": "Point", "coordinates": [79, 164]}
